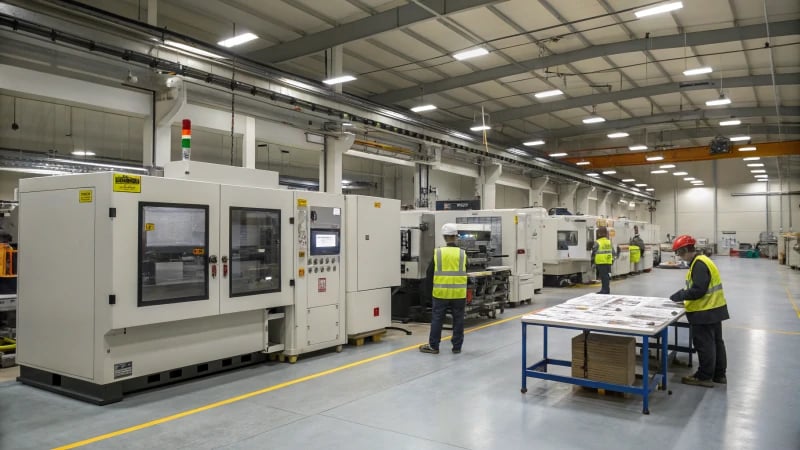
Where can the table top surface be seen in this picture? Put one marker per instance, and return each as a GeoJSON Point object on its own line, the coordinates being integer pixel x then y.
{"type": "Point", "coordinates": [615, 313]}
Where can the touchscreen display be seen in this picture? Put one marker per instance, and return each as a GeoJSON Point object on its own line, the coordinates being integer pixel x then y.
{"type": "Point", "coordinates": [325, 240]}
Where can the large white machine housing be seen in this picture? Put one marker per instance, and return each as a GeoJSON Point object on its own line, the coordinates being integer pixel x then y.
{"type": "Point", "coordinates": [564, 247]}
{"type": "Point", "coordinates": [373, 255]}
{"type": "Point", "coordinates": [96, 321]}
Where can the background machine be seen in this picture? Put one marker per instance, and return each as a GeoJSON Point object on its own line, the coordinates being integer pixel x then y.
{"type": "Point", "coordinates": [144, 281]}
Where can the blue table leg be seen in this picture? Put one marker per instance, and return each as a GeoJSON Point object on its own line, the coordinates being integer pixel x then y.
{"type": "Point", "coordinates": [544, 354]}
{"type": "Point", "coordinates": [664, 345]}
{"type": "Point", "coordinates": [524, 388]}
{"type": "Point", "coordinates": [645, 374]}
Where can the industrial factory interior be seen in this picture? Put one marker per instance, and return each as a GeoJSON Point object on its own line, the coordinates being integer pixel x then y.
{"type": "Point", "coordinates": [399, 224]}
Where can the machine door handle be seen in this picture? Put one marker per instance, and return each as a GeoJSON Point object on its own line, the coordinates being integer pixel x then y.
{"type": "Point", "coordinates": [224, 266]}
{"type": "Point", "coordinates": [212, 260]}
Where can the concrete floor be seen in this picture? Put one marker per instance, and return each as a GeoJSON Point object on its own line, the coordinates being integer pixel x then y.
{"type": "Point", "coordinates": [409, 400]}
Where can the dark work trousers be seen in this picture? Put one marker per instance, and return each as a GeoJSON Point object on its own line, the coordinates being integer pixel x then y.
{"type": "Point", "coordinates": [438, 310]}
{"type": "Point", "coordinates": [604, 272]}
{"type": "Point", "coordinates": [707, 339]}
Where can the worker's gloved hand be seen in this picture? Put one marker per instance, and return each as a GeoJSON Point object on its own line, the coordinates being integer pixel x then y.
{"type": "Point", "coordinates": [677, 297]}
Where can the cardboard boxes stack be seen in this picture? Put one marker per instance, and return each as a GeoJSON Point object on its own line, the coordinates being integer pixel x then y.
{"type": "Point", "coordinates": [611, 359]}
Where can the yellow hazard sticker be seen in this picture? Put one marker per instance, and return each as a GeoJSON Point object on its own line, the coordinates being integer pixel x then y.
{"type": "Point", "coordinates": [302, 202]}
{"type": "Point", "coordinates": [377, 204]}
{"type": "Point", "coordinates": [516, 220]}
{"type": "Point", "coordinates": [85, 196]}
{"type": "Point", "coordinates": [612, 233]}
{"type": "Point", "coordinates": [149, 227]}
{"type": "Point", "coordinates": [199, 251]}
{"type": "Point", "coordinates": [127, 183]}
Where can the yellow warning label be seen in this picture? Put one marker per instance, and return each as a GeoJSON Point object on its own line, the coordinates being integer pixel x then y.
{"type": "Point", "coordinates": [612, 233]}
{"type": "Point", "coordinates": [377, 204]}
{"type": "Point", "coordinates": [149, 227]}
{"type": "Point", "coordinates": [85, 196]}
{"type": "Point", "coordinates": [199, 251]}
{"type": "Point", "coordinates": [516, 220]}
{"type": "Point", "coordinates": [127, 183]}
{"type": "Point", "coordinates": [302, 202]}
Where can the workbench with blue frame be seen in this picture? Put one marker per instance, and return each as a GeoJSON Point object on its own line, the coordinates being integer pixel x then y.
{"type": "Point", "coordinates": [581, 314]}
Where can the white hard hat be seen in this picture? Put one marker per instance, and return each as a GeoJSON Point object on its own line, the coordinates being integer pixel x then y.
{"type": "Point", "coordinates": [449, 229]}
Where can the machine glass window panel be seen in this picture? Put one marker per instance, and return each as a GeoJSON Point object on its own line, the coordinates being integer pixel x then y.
{"type": "Point", "coordinates": [255, 251]}
{"type": "Point", "coordinates": [567, 238]}
{"type": "Point", "coordinates": [173, 253]}
{"type": "Point", "coordinates": [589, 238]}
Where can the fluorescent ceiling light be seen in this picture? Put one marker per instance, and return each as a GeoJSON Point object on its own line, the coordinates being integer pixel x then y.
{"type": "Point", "coordinates": [532, 143]}
{"type": "Point", "coordinates": [238, 40]}
{"type": "Point", "coordinates": [762, 179]}
{"type": "Point", "coordinates": [722, 100]}
{"type": "Point", "coordinates": [628, 180]}
{"type": "Point", "coordinates": [755, 164]}
{"type": "Point", "coordinates": [655, 158]}
{"type": "Point", "coordinates": [618, 134]}
{"type": "Point", "coordinates": [338, 80]}
{"type": "Point", "coordinates": [582, 163]}
{"type": "Point", "coordinates": [347, 124]}
{"type": "Point", "coordinates": [593, 174]}
{"type": "Point", "coordinates": [680, 174]}
{"type": "Point", "coordinates": [557, 155]}
{"type": "Point", "coordinates": [518, 152]}
{"type": "Point", "coordinates": [758, 171]}
{"type": "Point", "coordinates": [594, 119]}
{"type": "Point", "coordinates": [667, 7]}
{"type": "Point", "coordinates": [637, 147]}
{"type": "Point", "coordinates": [480, 128]}
{"type": "Point", "coordinates": [551, 93]}
{"type": "Point", "coordinates": [640, 184]}
{"type": "Point", "coordinates": [697, 182]}
{"type": "Point", "coordinates": [423, 108]}
{"type": "Point", "coordinates": [83, 153]}
{"type": "Point", "coordinates": [739, 138]}
{"type": "Point", "coordinates": [689, 179]}
{"type": "Point", "coordinates": [698, 71]}
{"type": "Point", "coordinates": [729, 123]}
{"type": "Point", "coordinates": [609, 172]}
{"type": "Point", "coordinates": [190, 49]}
{"type": "Point", "coordinates": [747, 149]}
{"type": "Point", "coordinates": [667, 166]}
{"type": "Point", "coordinates": [658, 171]}
{"type": "Point", "coordinates": [463, 136]}
{"type": "Point", "coordinates": [650, 189]}
{"type": "Point", "coordinates": [467, 54]}
{"type": "Point", "coordinates": [751, 158]}
{"type": "Point", "coordinates": [761, 176]}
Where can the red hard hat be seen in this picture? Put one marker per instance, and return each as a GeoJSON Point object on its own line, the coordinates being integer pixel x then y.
{"type": "Point", "coordinates": [682, 241]}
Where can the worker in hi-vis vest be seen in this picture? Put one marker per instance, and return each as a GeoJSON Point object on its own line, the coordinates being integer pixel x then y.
{"type": "Point", "coordinates": [603, 258]}
{"type": "Point", "coordinates": [706, 308]}
{"type": "Point", "coordinates": [636, 249]}
{"type": "Point", "coordinates": [449, 273]}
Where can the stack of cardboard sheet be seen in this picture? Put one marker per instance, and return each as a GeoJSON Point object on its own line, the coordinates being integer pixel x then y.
{"type": "Point", "coordinates": [611, 359]}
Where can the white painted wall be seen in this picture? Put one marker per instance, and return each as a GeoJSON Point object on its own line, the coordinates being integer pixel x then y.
{"type": "Point", "coordinates": [511, 197]}
{"type": "Point", "coordinates": [451, 186]}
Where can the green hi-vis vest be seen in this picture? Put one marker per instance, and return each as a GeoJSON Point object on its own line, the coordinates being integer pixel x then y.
{"type": "Point", "coordinates": [449, 273]}
{"type": "Point", "coordinates": [603, 255]}
{"type": "Point", "coordinates": [636, 253]}
{"type": "Point", "coordinates": [714, 297]}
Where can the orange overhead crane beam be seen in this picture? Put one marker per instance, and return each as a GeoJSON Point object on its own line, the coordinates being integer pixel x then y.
{"type": "Point", "coordinates": [688, 154]}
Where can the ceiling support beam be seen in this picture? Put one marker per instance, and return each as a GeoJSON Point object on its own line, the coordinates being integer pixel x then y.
{"type": "Point", "coordinates": [656, 119]}
{"type": "Point", "coordinates": [394, 18]}
{"type": "Point", "coordinates": [645, 91]}
{"type": "Point", "coordinates": [689, 154]}
{"type": "Point", "coordinates": [785, 28]}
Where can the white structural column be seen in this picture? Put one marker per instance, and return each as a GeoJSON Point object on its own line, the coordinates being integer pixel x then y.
{"type": "Point", "coordinates": [602, 204]}
{"type": "Point", "coordinates": [170, 105]}
{"type": "Point", "coordinates": [536, 191]}
{"type": "Point", "coordinates": [582, 199]}
{"type": "Point", "coordinates": [249, 143]}
{"type": "Point", "coordinates": [334, 65]}
{"type": "Point", "coordinates": [152, 12]}
{"type": "Point", "coordinates": [335, 146]}
{"type": "Point", "coordinates": [487, 180]}
{"type": "Point", "coordinates": [566, 195]}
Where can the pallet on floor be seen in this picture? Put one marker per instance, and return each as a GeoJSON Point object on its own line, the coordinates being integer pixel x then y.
{"type": "Point", "coordinates": [360, 338]}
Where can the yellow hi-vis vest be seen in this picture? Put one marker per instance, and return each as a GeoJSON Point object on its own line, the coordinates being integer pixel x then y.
{"type": "Point", "coordinates": [603, 255]}
{"type": "Point", "coordinates": [449, 273]}
{"type": "Point", "coordinates": [714, 297]}
{"type": "Point", "coordinates": [636, 253]}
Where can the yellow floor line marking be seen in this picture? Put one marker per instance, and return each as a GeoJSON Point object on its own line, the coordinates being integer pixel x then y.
{"type": "Point", "coordinates": [276, 387]}
{"type": "Point", "coordinates": [794, 305]}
